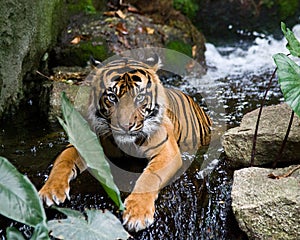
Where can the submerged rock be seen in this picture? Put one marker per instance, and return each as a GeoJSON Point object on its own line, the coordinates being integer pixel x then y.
{"type": "Point", "coordinates": [267, 208]}
{"type": "Point", "coordinates": [238, 142]}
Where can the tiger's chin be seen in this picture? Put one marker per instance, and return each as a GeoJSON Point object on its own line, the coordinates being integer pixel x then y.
{"type": "Point", "coordinates": [124, 139]}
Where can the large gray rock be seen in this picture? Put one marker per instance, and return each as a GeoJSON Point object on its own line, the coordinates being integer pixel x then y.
{"type": "Point", "coordinates": [28, 28]}
{"type": "Point", "coordinates": [238, 142]}
{"type": "Point", "coordinates": [267, 208]}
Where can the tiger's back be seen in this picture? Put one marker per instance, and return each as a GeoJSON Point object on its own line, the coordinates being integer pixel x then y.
{"type": "Point", "coordinates": [191, 124]}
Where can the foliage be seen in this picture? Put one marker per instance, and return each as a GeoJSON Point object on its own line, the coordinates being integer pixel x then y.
{"type": "Point", "coordinates": [87, 144]}
{"type": "Point", "coordinates": [293, 44]}
{"type": "Point", "coordinates": [180, 46]}
{"type": "Point", "coordinates": [97, 225]}
{"type": "Point", "coordinates": [289, 71]}
{"type": "Point", "coordinates": [82, 5]}
{"type": "Point", "coordinates": [286, 8]}
{"type": "Point", "coordinates": [19, 201]}
{"type": "Point", "coordinates": [187, 7]}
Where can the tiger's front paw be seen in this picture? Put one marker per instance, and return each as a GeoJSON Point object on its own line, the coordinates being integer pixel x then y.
{"type": "Point", "coordinates": [55, 191]}
{"type": "Point", "coordinates": [139, 211]}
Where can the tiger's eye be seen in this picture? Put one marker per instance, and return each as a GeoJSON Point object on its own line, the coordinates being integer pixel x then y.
{"type": "Point", "coordinates": [140, 97]}
{"type": "Point", "coordinates": [112, 97]}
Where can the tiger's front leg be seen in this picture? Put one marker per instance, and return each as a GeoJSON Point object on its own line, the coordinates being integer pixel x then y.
{"type": "Point", "coordinates": [140, 208]}
{"type": "Point", "coordinates": [56, 188]}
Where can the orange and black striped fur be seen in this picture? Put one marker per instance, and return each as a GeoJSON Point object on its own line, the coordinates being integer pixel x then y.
{"type": "Point", "coordinates": [133, 114]}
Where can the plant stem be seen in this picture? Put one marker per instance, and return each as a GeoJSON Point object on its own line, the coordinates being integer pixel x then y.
{"type": "Point", "coordinates": [258, 118]}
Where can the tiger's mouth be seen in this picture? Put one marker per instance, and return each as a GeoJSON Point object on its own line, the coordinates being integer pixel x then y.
{"type": "Point", "coordinates": [126, 137]}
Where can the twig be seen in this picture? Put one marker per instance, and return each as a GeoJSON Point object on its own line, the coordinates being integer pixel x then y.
{"type": "Point", "coordinates": [285, 175]}
{"type": "Point", "coordinates": [43, 75]}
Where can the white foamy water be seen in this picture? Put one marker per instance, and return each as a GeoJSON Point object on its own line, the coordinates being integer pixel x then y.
{"type": "Point", "coordinates": [254, 60]}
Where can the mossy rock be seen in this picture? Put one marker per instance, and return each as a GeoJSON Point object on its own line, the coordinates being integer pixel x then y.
{"type": "Point", "coordinates": [79, 54]}
{"type": "Point", "coordinates": [180, 46]}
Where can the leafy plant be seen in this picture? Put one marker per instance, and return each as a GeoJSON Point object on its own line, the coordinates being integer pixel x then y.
{"type": "Point", "coordinates": [289, 79]}
{"type": "Point", "coordinates": [96, 225]}
{"type": "Point", "coordinates": [87, 144]}
{"type": "Point", "coordinates": [20, 201]}
{"type": "Point", "coordinates": [289, 72]}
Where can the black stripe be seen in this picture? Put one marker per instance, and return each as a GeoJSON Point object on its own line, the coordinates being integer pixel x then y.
{"type": "Point", "coordinates": [158, 145]}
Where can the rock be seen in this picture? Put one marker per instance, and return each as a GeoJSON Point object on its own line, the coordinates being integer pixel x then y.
{"type": "Point", "coordinates": [267, 208]}
{"type": "Point", "coordinates": [103, 36]}
{"type": "Point", "coordinates": [28, 28]}
{"type": "Point", "coordinates": [77, 94]}
{"type": "Point", "coordinates": [238, 141]}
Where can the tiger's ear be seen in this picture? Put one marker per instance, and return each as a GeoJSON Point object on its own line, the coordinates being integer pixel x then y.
{"type": "Point", "coordinates": [95, 63]}
{"type": "Point", "coordinates": [154, 62]}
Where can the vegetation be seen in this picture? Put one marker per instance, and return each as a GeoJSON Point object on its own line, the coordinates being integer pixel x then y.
{"type": "Point", "coordinates": [187, 7]}
{"type": "Point", "coordinates": [87, 144]}
{"type": "Point", "coordinates": [86, 6]}
{"type": "Point", "coordinates": [289, 72]}
{"type": "Point", "coordinates": [19, 199]}
{"type": "Point", "coordinates": [286, 8]}
{"type": "Point", "coordinates": [289, 79]}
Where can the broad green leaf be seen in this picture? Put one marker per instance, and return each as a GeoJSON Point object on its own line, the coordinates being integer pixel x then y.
{"type": "Point", "coordinates": [289, 79]}
{"type": "Point", "coordinates": [87, 144]}
{"type": "Point", "coordinates": [19, 199]}
{"type": "Point", "coordinates": [69, 212]}
{"type": "Point", "coordinates": [98, 225]}
{"type": "Point", "coordinates": [293, 44]}
{"type": "Point", "coordinates": [13, 234]}
{"type": "Point", "coordinates": [40, 232]}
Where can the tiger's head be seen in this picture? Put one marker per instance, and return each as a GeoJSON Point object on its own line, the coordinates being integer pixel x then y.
{"type": "Point", "coordinates": [127, 100]}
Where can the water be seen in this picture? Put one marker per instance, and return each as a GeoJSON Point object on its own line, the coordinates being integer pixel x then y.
{"type": "Point", "coordinates": [197, 205]}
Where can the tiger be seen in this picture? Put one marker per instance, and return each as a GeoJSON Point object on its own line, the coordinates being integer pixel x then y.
{"type": "Point", "coordinates": [133, 114]}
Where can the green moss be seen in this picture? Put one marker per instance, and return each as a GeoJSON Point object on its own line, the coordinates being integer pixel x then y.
{"type": "Point", "coordinates": [80, 54]}
{"type": "Point", "coordinates": [173, 59]}
{"type": "Point", "coordinates": [187, 7]}
{"type": "Point", "coordinates": [82, 5]}
{"type": "Point", "coordinates": [87, 49]}
{"type": "Point", "coordinates": [287, 8]}
{"type": "Point", "coordinates": [180, 46]}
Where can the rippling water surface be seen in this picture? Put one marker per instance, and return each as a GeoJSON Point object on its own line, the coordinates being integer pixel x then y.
{"type": "Point", "coordinates": [195, 206]}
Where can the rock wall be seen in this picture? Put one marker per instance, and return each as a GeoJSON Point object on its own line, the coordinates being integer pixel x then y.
{"type": "Point", "coordinates": [28, 29]}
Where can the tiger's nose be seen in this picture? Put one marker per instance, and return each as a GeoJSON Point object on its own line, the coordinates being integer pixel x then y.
{"type": "Point", "coordinates": [126, 126]}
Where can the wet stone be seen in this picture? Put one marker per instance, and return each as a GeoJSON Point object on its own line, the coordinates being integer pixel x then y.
{"type": "Point", "coordinates": [238, 141]}
{"type": "Point", "coordinates": [267, 208]}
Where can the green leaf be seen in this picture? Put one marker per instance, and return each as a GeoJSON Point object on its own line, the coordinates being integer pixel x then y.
{"type": "Point", "coordinates": [99, 225]}
{"type": "Point", "coordinates": [19, 199]}
{"type": "Point", "coordinates": [87, 144]}
{"type": "Point", "coordinates": [13, 234]}
{"type": "Point", "coordinates": [293, 44]}
{"type": "Point", "coordinates": [40, 233]}
{"type": "Point", "coordinates": [289, 79]}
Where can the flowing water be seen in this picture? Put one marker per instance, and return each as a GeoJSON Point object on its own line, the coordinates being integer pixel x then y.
{"type": "Point", "coordinates": [195, 206]}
